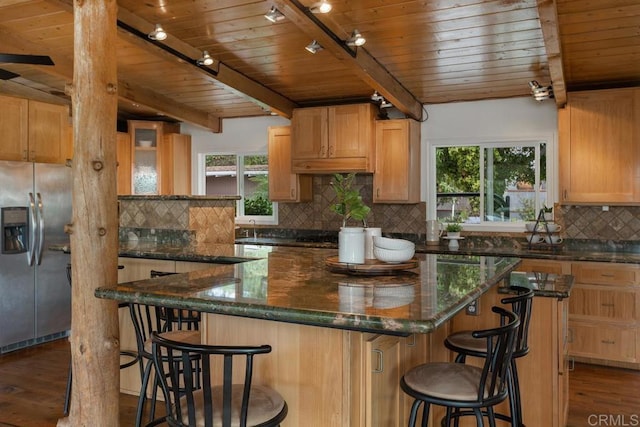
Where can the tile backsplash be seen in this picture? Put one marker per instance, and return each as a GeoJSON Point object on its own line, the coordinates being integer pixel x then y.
{"type": "Point", "coordinates": [316, 215]}
{"type": "Point", "coordinates": [618, 223]}
{"type": "Point", "coordinates": [180, 220]}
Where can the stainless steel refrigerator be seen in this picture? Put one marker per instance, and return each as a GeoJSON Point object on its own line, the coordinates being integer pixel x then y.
{"type": "Point", "coordinates": [35, 297]}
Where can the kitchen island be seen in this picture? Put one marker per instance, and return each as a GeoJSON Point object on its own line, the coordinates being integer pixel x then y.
{"type": "Point", "coordinates": [340, 342]}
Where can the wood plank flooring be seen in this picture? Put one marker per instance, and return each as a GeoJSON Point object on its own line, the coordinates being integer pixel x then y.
{"type": "Point", "coordinates": [32, 386]}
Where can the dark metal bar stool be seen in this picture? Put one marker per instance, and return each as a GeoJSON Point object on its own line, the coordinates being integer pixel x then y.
{"type": "Point", "coordinates": [174, 324]}
{"type": "Point", "coordinates": [464, 344]}
{"type": "Point", "coordinates": [205, 394]}
{"type": "Point", "coordinates": [459, 386]}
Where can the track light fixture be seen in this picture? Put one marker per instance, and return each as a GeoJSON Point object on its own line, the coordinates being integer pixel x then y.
{"type": "Point", "coordinates": [376, 97]}
{"type": "Point", "coordinates": [356, 39]}
{"type": "Point", "coordinates": [158, 33]}
{"type": "Point", "coordinates": [540, 93]}
{"type": "Point", "coordinates": [274, 15]}
{"type": "Point", "coordinates": [206, 59]}
{"type": "Point", "coordinates": [314, 47]}
{"type": "Point", "coordinates": [321, 7]}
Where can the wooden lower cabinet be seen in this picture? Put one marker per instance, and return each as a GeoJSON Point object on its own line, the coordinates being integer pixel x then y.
{"type": "Point", "coordinates": [331, 377]}
{"type": "Point", "coordinates": [604, 314]}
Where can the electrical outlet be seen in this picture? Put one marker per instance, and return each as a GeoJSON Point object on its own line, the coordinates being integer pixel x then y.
{"type": "Point", "coordinates": [473, 309]}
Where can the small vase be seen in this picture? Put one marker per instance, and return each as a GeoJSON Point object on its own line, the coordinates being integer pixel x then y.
{"type": "Point", "coordinates": [351, 245]}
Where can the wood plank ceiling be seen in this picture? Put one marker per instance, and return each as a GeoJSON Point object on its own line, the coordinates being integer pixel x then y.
{"type": "Point", "coordinates": [417, 52]}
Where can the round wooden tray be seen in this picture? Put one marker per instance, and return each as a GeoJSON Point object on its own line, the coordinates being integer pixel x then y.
{"type": "Point", "coordinates": [371, 267]}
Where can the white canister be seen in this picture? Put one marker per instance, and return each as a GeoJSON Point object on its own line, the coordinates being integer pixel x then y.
{"type": "Point", "coordinates": [351, 245]}
{"type": "Point", "coordinates": [434, 231]}
{"type": "Point", "coordinates": [369, 232]}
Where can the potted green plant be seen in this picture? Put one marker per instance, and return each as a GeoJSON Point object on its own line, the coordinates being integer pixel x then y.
{"type": "Point", "coordinates": [453, 229]}
{"type": "Point", "coordinates": [349, 205]}
{"type": "Point", "coordinates": [349, 202]}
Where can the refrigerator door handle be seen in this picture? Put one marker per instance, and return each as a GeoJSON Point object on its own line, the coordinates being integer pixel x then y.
{"type": "Point", "coordinates": [40, 229]}
{"type": "Point", "coordinates": [32, 230]}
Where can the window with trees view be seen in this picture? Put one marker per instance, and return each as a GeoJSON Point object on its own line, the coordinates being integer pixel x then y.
{"type": "Point", "coordinates": [490, 182]}
{"type": "Point", "coordinates": [222, 172]}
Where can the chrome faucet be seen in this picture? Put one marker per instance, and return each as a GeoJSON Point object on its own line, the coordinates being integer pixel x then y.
{"type": "Point", "coordinates": [253, 221]}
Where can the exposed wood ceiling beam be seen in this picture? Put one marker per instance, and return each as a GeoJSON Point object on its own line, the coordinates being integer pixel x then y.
{"type": "Point", "coordinates": [362, 63]}
{"type": "Point", "coordinates": [150, 99]}
{"type": "Point", "coordinates": [548, 14]}
{"type": "Point", "coordinates": [9, 87]}
{"type": "Point", "coordinates": [63, 68]}
{"type": "Point", "coordinates": [235, 81]}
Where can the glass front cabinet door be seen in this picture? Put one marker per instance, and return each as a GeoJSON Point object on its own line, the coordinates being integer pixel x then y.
{"type": "Point", "coordinates": [145, 156]}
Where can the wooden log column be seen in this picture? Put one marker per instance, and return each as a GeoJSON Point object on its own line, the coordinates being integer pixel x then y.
{"type": "Point", "coordinates": [94, 231]}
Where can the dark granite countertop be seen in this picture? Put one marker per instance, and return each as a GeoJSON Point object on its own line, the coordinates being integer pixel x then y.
{"type": "Point", "coordinates": [290, 285]}
{"type": "Point", "coordinates": [543, 284]}
{"type": "Point", "coordinates": [176, 197]}
{"type": "Point", "coordinates": [566, 252]}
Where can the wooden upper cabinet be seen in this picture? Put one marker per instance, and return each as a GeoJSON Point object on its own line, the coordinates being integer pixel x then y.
{"type": "Point", "coordinates": [333, 139]}
{"type": "Point", "coordinates": [397, 175]}
{"type": "Point", "coordinates": [34, 131]}
{"type": "Point", "coordinates": [14, 128]}
{"type": "Point", "coordinates": [147, 151]}
{"type": "Point", "coordinates": [285, 186]}
{"type": "Point", "coordinates": [123, 156]}
{"type": "Point", "coordinates": [49, 133]}
{"type": "Point", "coordinates": [176, 169]}
{"type": "Point", "coordinates": [599, 133]}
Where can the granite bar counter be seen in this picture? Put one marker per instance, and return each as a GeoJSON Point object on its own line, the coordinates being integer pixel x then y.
{"type": "Point", "coordinates": [293, 285]}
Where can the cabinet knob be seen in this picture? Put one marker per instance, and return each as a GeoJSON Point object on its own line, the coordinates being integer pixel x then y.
{"type": "Point", "coordinates": [293, 193]}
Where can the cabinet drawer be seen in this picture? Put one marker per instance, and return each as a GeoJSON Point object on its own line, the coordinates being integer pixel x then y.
{"type": "Point", "coordinates": [602, 341]}
{"type": "Point", "coordinates": [603, 303]}
{"type": "Point", "coordinates": [601, 273]}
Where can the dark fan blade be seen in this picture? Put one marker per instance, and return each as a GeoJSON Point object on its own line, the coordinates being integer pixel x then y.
{"type": "Point", "coordinates": [15, 58]}
{"type": "Point", "coordinates": [7, 75]}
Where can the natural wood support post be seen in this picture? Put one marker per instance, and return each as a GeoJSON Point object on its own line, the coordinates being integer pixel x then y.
{"type": "Point", "coordinates": [94, 231]}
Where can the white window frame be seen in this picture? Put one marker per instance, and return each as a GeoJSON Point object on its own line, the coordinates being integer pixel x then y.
{"type": "Point", "coordinates": [552, 173]}
{"type": "Point", "coordinates": [240, 217]}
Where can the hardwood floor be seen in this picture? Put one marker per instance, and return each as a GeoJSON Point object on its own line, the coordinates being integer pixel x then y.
{"type": "Point", "coordinates": [32, 386]}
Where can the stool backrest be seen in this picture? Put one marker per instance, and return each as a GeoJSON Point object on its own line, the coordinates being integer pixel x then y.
{"type": "Point", "coordinates": [173, 318]}
{"type": "Point", "coordinates": [197, 380]}
{"type": "Point", "coordinates": [500, 346]}
{"type": "Point", "coordinates": [521, 305]}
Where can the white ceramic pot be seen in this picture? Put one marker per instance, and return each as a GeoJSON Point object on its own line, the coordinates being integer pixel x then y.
{"type": "Point", "coordinates": [351, 245]}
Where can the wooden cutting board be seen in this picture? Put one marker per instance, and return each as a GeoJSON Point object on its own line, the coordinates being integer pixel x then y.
{"type": "Point", "coordinates": [370, 267]}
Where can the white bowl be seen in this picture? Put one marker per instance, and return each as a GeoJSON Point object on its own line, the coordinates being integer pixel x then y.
{"type": "Point", "coordinates": [530, 226]}
{"type": "Point", "coordinates": [145, 143]}
{"type": "Point", "coordinates": [395, 244]}
{"type": "Point", "coordinates": [393, 256]}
